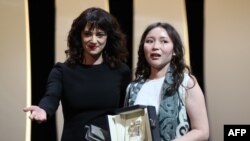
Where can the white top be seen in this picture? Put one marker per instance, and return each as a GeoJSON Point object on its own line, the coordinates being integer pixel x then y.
{"type": "Point", "coordinates": [149, 93]}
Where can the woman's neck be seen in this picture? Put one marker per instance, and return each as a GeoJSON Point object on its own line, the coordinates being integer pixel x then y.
{"type": "Point", "coordinates": [157, 73]}
{"type": "Point", "coordinates": [92, 60]}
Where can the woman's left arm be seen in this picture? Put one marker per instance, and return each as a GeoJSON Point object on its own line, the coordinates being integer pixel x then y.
{"type": "Point", "coordinates": [197, 112]}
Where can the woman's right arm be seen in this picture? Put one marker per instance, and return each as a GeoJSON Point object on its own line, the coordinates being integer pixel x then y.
{"type": "Point", "coordinates": [50, 102]}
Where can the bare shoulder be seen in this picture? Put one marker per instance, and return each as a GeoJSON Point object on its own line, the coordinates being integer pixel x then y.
{"type": "Point", "coordinates": [194, 87]}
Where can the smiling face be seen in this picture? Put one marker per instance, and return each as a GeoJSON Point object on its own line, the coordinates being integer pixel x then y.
{"type": "Point", "coordinates": [158, 48]}
{"type": "Point", "coordinates": [93, 42]}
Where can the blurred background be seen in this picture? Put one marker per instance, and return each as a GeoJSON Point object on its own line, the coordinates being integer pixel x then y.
{"type": "Point", "coordinates": [33, 35]}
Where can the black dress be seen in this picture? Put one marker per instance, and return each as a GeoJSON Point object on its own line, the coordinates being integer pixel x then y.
{"type": "Point", "coordinates": [87, 94]}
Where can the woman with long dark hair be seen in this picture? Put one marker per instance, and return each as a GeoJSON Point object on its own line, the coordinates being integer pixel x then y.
{"type": "Point", "coordinates": [92, 80]}
{"type": "Point", "coordinates": [163, 80]}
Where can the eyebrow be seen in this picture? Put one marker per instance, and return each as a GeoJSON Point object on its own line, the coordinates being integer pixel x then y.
{"type": "Point", "coordinates": [98, 31]}
{"type": "Point", "coordinates": [161, 37]}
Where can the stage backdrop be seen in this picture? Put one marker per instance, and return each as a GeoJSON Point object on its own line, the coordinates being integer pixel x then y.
{"type": "Point", "coordinates": [227, 69]}
{"type": "Point", "coordinates": [15, 70]}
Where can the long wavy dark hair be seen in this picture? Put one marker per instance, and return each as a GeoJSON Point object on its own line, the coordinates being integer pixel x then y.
{"type": "Point", "coordinates": [115, 51]}
{"type": "Point", "coordinates": [177, 62]}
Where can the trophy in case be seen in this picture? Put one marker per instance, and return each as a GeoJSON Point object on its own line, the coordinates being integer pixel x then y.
{"type": "Point", "coordinates": [134, 123]}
